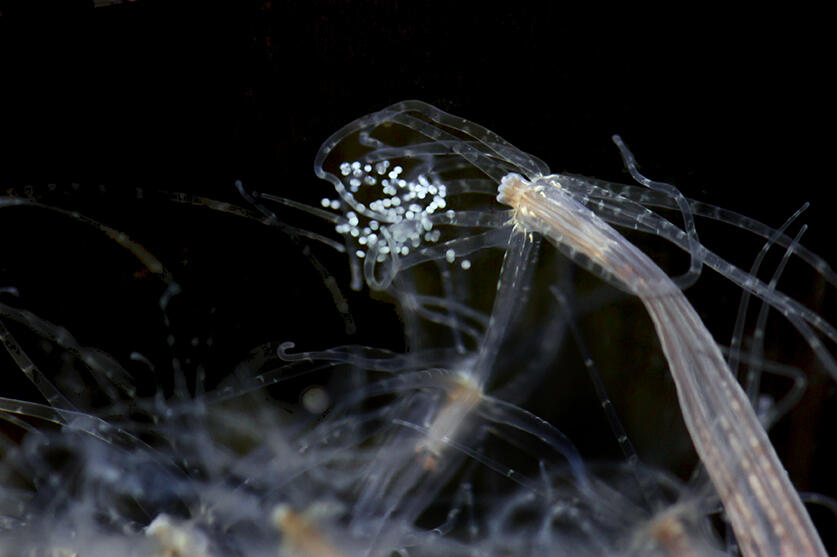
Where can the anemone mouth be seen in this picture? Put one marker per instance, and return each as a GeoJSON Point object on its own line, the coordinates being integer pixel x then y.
{"type": "Point", "coordinates": [510, 189]}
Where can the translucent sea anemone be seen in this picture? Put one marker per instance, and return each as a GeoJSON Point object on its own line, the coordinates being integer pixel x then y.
{"type": "Point", "coordinates": [175, 421]}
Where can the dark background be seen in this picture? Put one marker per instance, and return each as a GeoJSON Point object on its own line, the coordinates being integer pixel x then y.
{"type": "Point", "coordinates": [735, 109]}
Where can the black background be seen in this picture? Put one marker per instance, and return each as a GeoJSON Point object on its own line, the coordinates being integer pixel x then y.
{"type": "Point", "coordinates": [735, 109]}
